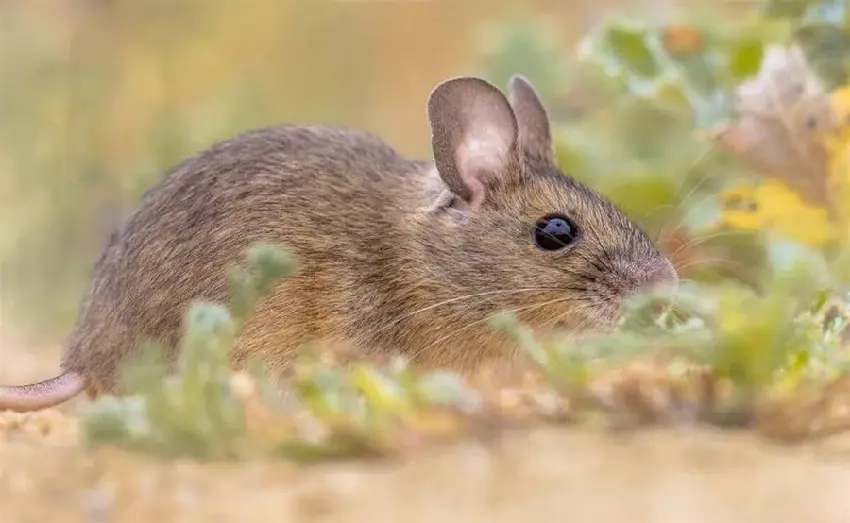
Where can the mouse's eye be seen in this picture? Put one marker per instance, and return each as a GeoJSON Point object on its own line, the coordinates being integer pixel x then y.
{"type": "Point", "coordinates": [553, 232]}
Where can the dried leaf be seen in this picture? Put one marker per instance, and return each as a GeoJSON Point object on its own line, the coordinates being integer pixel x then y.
{"type": "Point", "coordinates": [682, 40]}
{"type": "Point", "coordinates": [783, 115]}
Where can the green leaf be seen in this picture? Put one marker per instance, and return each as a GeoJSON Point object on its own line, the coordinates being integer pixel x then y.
{"type": "Point", "coordinates": [265, 266]}
{"type": "Point", "coordinates": [745, 58]}
{"type": "Point", "coordinates": [628, 45]}
{"type": "Point", "coordinates": [268, 264]}
{"type": "Point", "coordinates": [507, 323]}
{"type": "Point", "coordinates": [113, 419]}
{"type": "Point", "coordinates": [448, 389]}
{"type": "Point", "coordinates": [145, 371]}
{"type": "Point", "coordinates": [784, 8]}
{"type": "Point", "coordinates": [623, 50]}
{"type": "Point", "coordinates": [242, 293]}
{"type": "Point", "coordinates": [380, 392]}
{"type": "Point", "coordinates": [209, 331]}
{"type": "Point", "coordinates": [827, 48]}
{"type": "Point", "coordinates": [670, 91]}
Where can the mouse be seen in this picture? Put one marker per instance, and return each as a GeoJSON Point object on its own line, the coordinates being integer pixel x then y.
{"type": "Point", "coordinates": [392, 255]}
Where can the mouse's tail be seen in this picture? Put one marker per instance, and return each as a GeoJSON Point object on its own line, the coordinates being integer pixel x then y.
{"type": "Point", "coordinates": [41, 395]}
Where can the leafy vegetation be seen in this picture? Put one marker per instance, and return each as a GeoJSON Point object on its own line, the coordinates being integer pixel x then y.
{"type": "Point", "coordinates": [203, 412]}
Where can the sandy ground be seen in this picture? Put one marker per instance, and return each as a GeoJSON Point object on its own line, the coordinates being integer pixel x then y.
{"type": "Point", "coordinates": [552, 474]}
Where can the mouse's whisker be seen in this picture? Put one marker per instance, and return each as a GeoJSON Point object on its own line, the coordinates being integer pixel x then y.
{"type": "Point", "coordinates": [722, 262]}
{"type": "Point", "coordinates": [457, 299]}
{"type": "Point", "coordinates": [601, 262]}
{"type": "Point", "coordinates": [706, 176]}
{"type": "Point", "coordinates": [517, 310]}
{"type": "Point", "coordinates": [578, 329]}
{"type": "Point", "coordinates": [705, 237]}
{"type": "Point", "coordinates": [585, 277]}
{"type": "Point", "coordinates": [572, 330]}
{"type": "Point", "coordinates": [682, 220]}
{"type": "Point", "coordinates": [604, 257]}
{"type": "Point", "coordinates": [657, 210]}
{"type": "Point", "coordinates": [692, 206]}
{"type": "Point", "coordinates": [677, 202]}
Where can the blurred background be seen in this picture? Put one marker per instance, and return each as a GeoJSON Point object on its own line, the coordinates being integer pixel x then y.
{"type": "Point", "coordinates": [99, 98]}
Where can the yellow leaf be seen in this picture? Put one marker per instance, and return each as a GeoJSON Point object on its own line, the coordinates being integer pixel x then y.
{"type": "Point", "coordinates": [839, 161]}
{"type": "Point", "coordinates": [776, 209]}
{"type": "Point", "coordinates": [379, 390]}
{"type": "Point", "coordinates": [740, 210]}
{"type": "Point", "coordinates": [743, 220]}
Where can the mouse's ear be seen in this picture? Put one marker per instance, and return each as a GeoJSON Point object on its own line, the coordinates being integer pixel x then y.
{"type": "Point", "coordinates": [535, 131]}
{"type": "Point", "coordinates": [474, 138]}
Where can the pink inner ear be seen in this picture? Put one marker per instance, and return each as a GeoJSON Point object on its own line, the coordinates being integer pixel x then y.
{"type": "Point", "coordinates": [477, 192]}
{"type": "Point", "coordinates": [481, 161]}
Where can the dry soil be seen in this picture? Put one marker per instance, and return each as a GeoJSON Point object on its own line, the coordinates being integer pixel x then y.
{"type": "Point", "coordinates": [552, 474]}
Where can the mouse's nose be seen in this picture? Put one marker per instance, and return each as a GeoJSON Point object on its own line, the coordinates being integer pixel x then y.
{"type": "Point", "coordinates": [658, 273]}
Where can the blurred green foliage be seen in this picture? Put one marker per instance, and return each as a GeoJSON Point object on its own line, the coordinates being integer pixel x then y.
{"type": "Point", "coordinates": [193, 411]}
{"type": "Point", "coordinates": [196, 412]}
{"type": "Point", "coordinates": [775, 325]}
{"type": "Point", "coordinates": [664, 84]}
{"type": "Point", "coordinates": [822, 28]}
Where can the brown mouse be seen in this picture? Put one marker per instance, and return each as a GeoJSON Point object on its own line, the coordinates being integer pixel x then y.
{"type": "Point", "coordinates": [392, 255]}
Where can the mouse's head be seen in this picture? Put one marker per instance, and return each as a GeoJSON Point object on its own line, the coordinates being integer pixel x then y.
{"type": "Point", "coordinates": [515, 233]}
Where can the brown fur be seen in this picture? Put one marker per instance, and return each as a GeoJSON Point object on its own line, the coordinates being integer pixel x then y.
{"type": "Point", "coordinates": [387, 257]}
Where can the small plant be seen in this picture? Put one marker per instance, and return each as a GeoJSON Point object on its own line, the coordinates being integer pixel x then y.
{"type": "Point", "coordinates": [193, 412]}
{"type": "Point", "coordinates": [371, 410]}
{"type": "Point", "coordinates": [198, 412]}
{"type": "Point", "coordinates": [721, 355]}
{"type": "Point", "coordinates": [731, 147]}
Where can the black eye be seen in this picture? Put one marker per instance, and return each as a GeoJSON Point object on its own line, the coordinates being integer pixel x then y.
{"type": "Point", "coordinates": [553, 232]}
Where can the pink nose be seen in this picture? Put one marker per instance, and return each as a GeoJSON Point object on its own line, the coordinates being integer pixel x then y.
{"type": "Point", "coordinates": [650, 275]}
